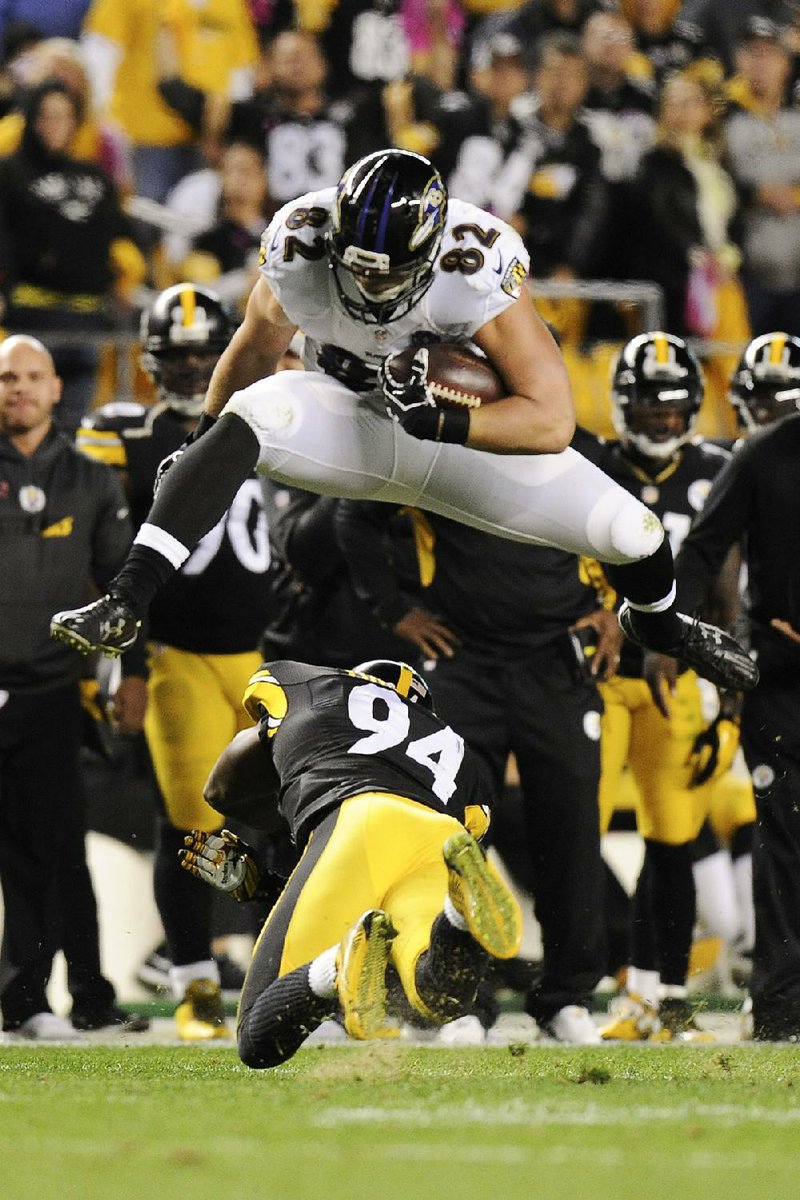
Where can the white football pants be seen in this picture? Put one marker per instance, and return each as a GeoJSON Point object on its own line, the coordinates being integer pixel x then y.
{"type": "Point", "coordinates": [317, 434]}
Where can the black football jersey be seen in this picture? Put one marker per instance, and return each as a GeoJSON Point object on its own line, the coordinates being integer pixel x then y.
{"type": "Point", "coordinates": [675, 494]}
{"type": "Point", "coordinates": [219, 601]}
{"type": "Point", "coordinates": [335, 734]}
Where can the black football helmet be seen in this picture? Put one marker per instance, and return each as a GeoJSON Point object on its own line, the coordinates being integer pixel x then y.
{"type": "Point", "coordinates": [655, 372]}
{"type": "Point", "coordinates": [386, 228]}
{"type": "Point", "coordinates": [407, 682]}
{"type": "Point", "coordinates": [766, 384]}
{"type": "Point", "coordinates": [183, 334]}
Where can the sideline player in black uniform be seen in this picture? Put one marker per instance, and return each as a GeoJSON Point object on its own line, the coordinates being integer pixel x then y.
{"type": "Point", "coordinates": [755, 501]}
{"type": "Point", "coordinates": [657, 390]}
{"type": "Point", "coordinates": [382, 263]}
{"type": "Point", "coordinates": [385, 799]}
{"type": "Point", "coordinates": [503, 626]}
{"type": "Point", "coordinates": [204, 625]}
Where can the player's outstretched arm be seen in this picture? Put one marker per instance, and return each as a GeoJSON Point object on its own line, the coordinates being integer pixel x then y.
{"type": "Point", "coordinates": [538, 416]}
{"type": "Point", "coordinates": [254, 350]}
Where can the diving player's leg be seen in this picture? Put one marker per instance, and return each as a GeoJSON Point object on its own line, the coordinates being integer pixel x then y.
{"type": "Point", "coordinates": [323, 950]}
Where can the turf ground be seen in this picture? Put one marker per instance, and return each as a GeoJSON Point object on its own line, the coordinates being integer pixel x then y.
{"type": "Point", "coordinates": [389, 1121]}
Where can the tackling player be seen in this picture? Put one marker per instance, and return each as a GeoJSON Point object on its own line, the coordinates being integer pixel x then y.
{"type": "Point", "coordinates": [367, 269]}
{"type": "Point", "coordinates": [384, 798]}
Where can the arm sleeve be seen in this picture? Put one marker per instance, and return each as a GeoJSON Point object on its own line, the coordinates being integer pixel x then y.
{"type": "Point", "coordinates": [363, 535]}
{"type": "Point", "coordinates": [721, 523]}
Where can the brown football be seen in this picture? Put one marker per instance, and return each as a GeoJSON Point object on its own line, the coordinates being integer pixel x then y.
{"type": "Point", "coordinates": [457, 376]}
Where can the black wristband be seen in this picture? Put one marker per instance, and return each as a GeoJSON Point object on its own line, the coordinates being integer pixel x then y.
{"type": "Point", "coordinates": [438, 424]}
{"type": "Point", "coordinates": [453, 425]}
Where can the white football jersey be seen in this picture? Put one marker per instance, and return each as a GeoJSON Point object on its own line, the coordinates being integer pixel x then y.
{"type": "Point", "coordinates": [479, 272]}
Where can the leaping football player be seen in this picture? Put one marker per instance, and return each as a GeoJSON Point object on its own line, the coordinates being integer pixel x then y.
{"type": "Point", "coordinates": [366, 269]}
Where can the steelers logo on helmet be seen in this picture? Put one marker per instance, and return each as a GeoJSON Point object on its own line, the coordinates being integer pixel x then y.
{"type": "Point", "coordinates": [407, 682]}
{"type": "Point", "coordinates": [766, 383]}
{"type": "Point", "coordinates": [183, 334]}
{"type": "Point", "coordinates": [385, 233]}
{"type": "Point", "coordinates": [656, 393]}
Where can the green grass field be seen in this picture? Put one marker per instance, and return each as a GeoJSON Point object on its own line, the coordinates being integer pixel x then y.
{"type": "Point", "coordinates": [391, 1122]}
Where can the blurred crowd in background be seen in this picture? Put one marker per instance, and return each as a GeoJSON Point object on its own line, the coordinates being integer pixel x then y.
{"type": "Point", "coordinates": [642, 140]}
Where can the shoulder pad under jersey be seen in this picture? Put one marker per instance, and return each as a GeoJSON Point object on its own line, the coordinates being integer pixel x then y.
{"type": "Point", "coordinates": [481, 269]}
{"type": "Point", "coordinates": [101, 433]}
{"type": "Point", "coordinates": [265, 700]}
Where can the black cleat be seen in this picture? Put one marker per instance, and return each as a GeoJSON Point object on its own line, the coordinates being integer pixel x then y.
{"type": "Point", "coordinates": [111, 1017]}
{"type": "Point", "coordinates": [108, 625]}
{"type": "Point", "coordinates": [709, 651]}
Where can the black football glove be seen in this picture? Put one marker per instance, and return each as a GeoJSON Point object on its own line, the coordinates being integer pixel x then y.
{"type": "Point", "coordinates": [713, 751]}
{"type": "Point", "coordinates": [203, 425]}
{"type": "Point", "coordinates": [413, 406]}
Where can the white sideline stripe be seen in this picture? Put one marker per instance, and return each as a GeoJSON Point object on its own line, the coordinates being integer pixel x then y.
{"type": "Point", "coordinates": [548, 1114]}
{"type": "Point", "coordinates": [553, 1156]}
{"type": "Point", "coordinates": [163, 543]}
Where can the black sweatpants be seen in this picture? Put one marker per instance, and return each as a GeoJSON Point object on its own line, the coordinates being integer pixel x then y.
{"type": "Point", "coordinates": [771, 744]}
{"type": "Point", "coordinates": [541, 706]}
{"type": "Point", "coordinates": [48, 896]}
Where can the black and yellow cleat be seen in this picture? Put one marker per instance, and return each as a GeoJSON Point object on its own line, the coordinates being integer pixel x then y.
{"type": "Point", "coordinates": [200, 1016]}
{"type": "Point", "coordinates": [107, 624]}
{"type": "Point", "coordinates": [361, 976]}
{"type": "Point", "coordinates": [678, 1024]}
{"type": "Point", "coordinates": [711, 652]}
{"type": "Point", "coordinates": [480, 896]}
{"type": "Point", "coordinates": [631, 1019]}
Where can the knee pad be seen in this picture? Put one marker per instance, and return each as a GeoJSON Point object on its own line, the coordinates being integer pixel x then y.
{"type": "Point", "coordinates": [269, 409]}
{"type": "Point", "coordinates": [635, 531]}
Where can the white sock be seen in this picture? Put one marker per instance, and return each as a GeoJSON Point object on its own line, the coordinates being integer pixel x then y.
{"type": "Point", "coordinates": [717, 907]}
{"type": "Point", "coordinates": [180, 977]}
{"type": "Point", "coordinates": [645, 983]}
{"type": "Point", "coordinates": [743, 881]}
{"type": "Point", "coordinates": [453, 915]}
{"type": "Point", "coordinates": [674, 991]}
{"type": "Point", "coordinates": [322, 973]}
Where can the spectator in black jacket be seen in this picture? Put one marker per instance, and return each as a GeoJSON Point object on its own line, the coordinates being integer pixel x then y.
{"type": "Point", "coordinates": [552, 189]}
{"type": "Point", "coordinates": [61, 230]}
{"type": "Point", "coordinates": [685, 216]}
{"type": "Point", "coordinates": [62, 518]}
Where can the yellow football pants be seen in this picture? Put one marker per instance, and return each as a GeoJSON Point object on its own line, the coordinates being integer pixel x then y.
{"type": "Point", "coordinates": [194, 709]}
{"type": "Point", "coordinates": [656, 751]}
{"type": "Point", "coordinates": [377, 851]}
